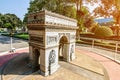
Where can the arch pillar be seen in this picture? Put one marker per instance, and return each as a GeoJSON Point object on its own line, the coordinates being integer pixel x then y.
{"type": "Point", "coordinates": [49, 62]}
{"type": "Point", "coordinates": [66, 51]}
{"type": "Point", "coordinates": [71, 51]}
{"type": "Point", "coordinates": [30, 54]}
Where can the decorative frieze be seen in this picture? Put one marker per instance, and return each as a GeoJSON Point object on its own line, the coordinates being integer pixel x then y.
{"type": "Point", "coordinates": [37, 32]}
{"type": "Point", "coordinates": [72, 37]}
{"type": "Point", "coordinates": [37, 39]}
{"type": "Point", "coordinates": [58, 21]}
{"type": "Point", "coordinates": [37, 18]}
{"type": "Point", "coordinates": [51, 40]}
{"type": "Point", "coordinates": [64, 34]}
{"type": "Point", "coordinates": [61, 34]}
{"type": "Point", "coordinates": [36, 27]}
{"type": "Point", "coordinates": [47, 17]}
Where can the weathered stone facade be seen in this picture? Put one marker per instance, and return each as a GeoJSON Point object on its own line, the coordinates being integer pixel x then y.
{"type": "Point", "coordinates": [51, 36]}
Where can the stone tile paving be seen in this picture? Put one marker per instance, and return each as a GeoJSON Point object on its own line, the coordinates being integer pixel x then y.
{"type": "Point", "coordinates": [112, 67]}
{"type": "Point", "coordinates": [61, 74]}
{"type": "Point", "coordinates": [16, 68]}
{"type": "Point", "coordinates": [5, 43]}
{"type": "Point", "coordinates": [66, 72]}
{"type": "Point", "coordinates": [87, 63]}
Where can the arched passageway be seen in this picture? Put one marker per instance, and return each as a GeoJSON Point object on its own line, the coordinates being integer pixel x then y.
{"type": "Point", "coordinates": [63, 48]}
{"type": "Point", "coordinates": [36, 60]}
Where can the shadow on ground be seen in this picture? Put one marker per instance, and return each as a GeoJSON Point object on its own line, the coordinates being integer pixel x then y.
{"type": "Point", "coordinates": [17, 65]}
{"type": "Point", "coordinates": [19, 69]}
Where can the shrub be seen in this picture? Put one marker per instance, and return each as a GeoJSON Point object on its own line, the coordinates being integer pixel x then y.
{"type": "Point", "coordinates": [103, 32]}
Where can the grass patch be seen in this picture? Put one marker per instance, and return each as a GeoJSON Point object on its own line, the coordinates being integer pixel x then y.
{"type": "Point", "coordinates": [3, 31]}
{"type": "Point", "coordinates": [24, 36]}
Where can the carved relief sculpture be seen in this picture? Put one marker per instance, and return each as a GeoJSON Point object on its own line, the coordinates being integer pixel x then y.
{"type": "Point", "coordinates": [52, 57]}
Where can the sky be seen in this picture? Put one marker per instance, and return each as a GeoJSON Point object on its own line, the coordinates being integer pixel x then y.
{"type": "Point", "coordinates": [18, 7]}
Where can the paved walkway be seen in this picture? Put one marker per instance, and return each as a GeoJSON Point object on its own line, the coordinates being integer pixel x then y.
{"type": "Point", "coordinates": [5, 43]}
{"type": "Point", "coordinates": [6, 57]}
{"type": "Point", "coordinates": [101, 51]}
{"type": "Point", "coordinates": [72, 71]}
{"type": "Point", "coordinates": [112, 67]}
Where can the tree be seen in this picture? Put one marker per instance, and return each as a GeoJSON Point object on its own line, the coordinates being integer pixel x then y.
{"type": "Point", "coordinates": [1, 22]}
{"type": "Point", "coordinates": [24, 23]}
{"type": "Point", "coordinates": [109, 9]}
{"type": "Point", "coordinates": [58, 6]}
{"type": "Point", "coordinates": [10, 21]}
{"type": "Point", "coordinates": [79, 4]}
{"type": "Point", "coordinates": [85, 20]}
{"type": "Point", "coordinates": [84, 17]}
{"type": "Point", "coordinates": [103, 32]}
{"type": "Point", "coordinates": [88, 21]}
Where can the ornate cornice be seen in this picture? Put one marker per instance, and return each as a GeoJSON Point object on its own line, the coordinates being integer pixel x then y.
{"type": "Point", "coordinates": [49, 19]}
{"type": "Point", "coordinates": [43, 26]}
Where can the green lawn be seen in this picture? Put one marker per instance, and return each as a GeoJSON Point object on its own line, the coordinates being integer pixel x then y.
{"type": "Point", "coordinates": [22, 36]}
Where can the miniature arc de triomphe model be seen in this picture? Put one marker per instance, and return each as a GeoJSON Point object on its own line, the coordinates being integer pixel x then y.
{"type": "Point", "coordinates": [51, 38]}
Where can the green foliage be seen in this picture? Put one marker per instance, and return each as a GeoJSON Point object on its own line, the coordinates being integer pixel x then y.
{"type": "Point", "coordinates": [69, 11]}
{"type": "Point", "coordinates": [8, 25]}
{"type": "Point", "coordinates": [10, 21]}
{"type": "Point", "coordinates": [24, 24]}
{"type": "Point", "coordinates": [22, 36]}
{"type": "Point", "coordinates": [103, 32]}
{"type": "Point", "coordinates": [59, 6]}
{"type": "Point", "coordinates": [85, 20]}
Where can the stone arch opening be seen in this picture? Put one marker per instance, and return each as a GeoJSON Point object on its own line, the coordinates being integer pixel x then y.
{"type": "Point", "coordinates": [63, 48]}
{"type": "Point", "coordinates": [36, 60]}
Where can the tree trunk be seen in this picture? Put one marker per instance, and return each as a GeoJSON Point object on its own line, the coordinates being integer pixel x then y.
{"type": "Point", "coordinates": [117, 22]}
{"type": "Point", "coordinates": [117, 30]}
{"type": "Point", "coordinates": [81, 1]}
